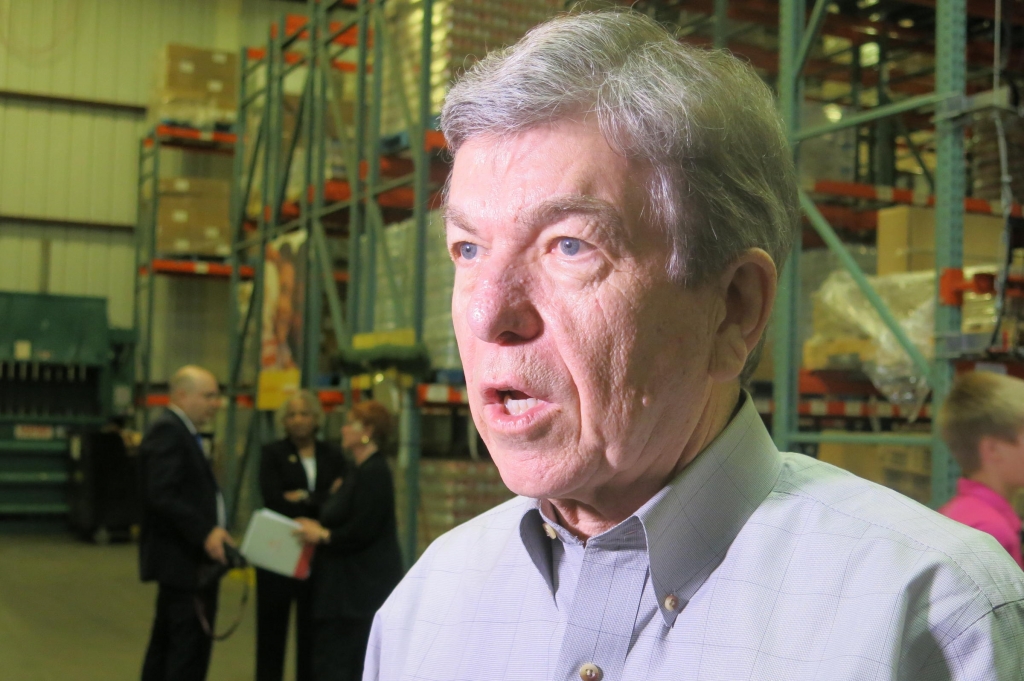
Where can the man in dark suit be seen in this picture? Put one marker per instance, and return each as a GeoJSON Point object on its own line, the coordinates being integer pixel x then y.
{"type": "Point", "coordinates": [183, 525]}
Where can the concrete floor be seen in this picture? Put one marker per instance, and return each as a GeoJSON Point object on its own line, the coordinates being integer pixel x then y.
{"type": "Point", "coordinates": [73, 610]}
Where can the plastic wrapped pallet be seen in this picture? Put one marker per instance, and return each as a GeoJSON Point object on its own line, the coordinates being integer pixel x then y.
{"type": "Point", "coordinates": [463, 32]}
{"type": "Point", "coordinates": [389, 313]}
{"type": "Point", "coordinates": [843, 315]}
{"type": "Point", "coordinates": [195, 87]}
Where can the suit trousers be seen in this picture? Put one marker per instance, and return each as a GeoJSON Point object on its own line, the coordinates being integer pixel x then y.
{"type": "Point", "coordinates": [179, 649]}
{"type": "Point", "coordinates": [274, 597]}
{"type": "Point", "coordinates": [339, 648]}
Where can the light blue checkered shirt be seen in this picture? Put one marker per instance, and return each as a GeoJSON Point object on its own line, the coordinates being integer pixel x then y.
{"type": "Point", "coordinates": [778, 567]}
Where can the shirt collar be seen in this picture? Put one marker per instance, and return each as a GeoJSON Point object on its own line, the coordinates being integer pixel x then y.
{"type": "Point", "coordinates": [184, 418]}
{"type": "Point", "coordinates": [691, 522]}
{"type": "Point", "coordinates": [989, 497]}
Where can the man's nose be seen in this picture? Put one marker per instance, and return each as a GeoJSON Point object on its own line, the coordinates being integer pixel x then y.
{"type": "Point", "coordinates": [500, 308]}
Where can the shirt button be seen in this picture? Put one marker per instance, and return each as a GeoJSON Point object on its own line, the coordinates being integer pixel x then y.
{"type": "Point", "coordinates": [590, 672]}
{"type": "Point", "coordinates": [550, 532]}
{"type": "Point", "coordinates": [671, 603]}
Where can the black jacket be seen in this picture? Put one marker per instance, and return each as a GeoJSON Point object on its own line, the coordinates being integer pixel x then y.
{"type": "Point", "coordinates": [179, 503]}
{"type": "Point", "coordinates": [281, 471]}
{"type": "Point", "coordinates": [354, 574]}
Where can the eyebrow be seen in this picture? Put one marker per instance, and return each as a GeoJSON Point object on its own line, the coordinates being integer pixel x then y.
{"type": "Point", "coordinates": [547, 212]}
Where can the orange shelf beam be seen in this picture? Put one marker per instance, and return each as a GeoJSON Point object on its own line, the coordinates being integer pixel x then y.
{"type": "Point", "coordinates": [195, 267]}
{"type": "Point", "coordinates": [870, 192]}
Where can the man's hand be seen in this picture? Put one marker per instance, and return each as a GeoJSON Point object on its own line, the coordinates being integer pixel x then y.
{"type": "Point", "coordinates": [214, 544]}
{"type": "Point", "coordinates": [336, 485]}
{"type": "Point", "coordinates": [296, 495]}
{"type": "Point", "coordinates": [311, 531]}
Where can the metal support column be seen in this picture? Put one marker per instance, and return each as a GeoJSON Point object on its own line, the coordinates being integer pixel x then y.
{"type": "Point", "coordinates": [411, 417]}
{"type": "Point", "coordinates": [950, 187]}
{"type": "Point", "coordinates": [949, 211]}
{"type": "Point", "coordinates": [785, 388]}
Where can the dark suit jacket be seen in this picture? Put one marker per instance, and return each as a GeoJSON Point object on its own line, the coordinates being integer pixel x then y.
{"type": "Point", "coordinates": [281, 471]}
{"type": "Point", "coordinates": [354, 574]}
{"type": "Point", "coordinates": [179, 503]}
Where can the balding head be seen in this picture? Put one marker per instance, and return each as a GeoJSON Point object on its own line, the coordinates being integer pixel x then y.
{"type": "Point", "coordinates": [194, 390]}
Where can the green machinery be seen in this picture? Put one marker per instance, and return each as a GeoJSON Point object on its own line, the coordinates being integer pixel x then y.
{"type": "Point", "coordinates": [62, 370]}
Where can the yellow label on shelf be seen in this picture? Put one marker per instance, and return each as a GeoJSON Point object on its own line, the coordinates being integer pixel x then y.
{"type": "Point", "coordinates": [275, 387]}
{"type": "Point", "coordinates": [365, 341]}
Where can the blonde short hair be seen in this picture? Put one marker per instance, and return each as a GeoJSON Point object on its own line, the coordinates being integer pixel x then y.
{"type": "Point", "coordinates": [980, 404]}
{"type": "Point", "coordinates": [312, 403]}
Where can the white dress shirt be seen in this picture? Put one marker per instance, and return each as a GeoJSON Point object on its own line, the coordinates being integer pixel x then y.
{"type": "Point", "coordinates": [751, 564]}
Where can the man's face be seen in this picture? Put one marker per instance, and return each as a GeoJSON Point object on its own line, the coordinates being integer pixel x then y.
{"type": "Point", "coordinates": [587, 367]}
{"type": "Point", "coordinates": [200, 403]}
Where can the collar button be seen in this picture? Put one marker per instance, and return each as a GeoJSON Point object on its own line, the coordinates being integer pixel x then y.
{"type": "Point", "coordinates": [591, 672]}
{"type": "Point", "coordinates": [671, 603]}
{"type": "Point", "coordinates": [550, 531]}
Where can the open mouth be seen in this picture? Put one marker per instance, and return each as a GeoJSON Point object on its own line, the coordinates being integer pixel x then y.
{"type": "Point", "coordinates": [517, 402]}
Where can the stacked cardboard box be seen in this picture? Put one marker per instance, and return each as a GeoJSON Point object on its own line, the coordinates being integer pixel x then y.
{"type": "Point", "coordinates": [194, 217]}
{"type": "Point", "coordinates": [906, 239]}
{"type": "Point", "coordinates": [195, 87]}
{"type": "Point", "coordinates": [452, 492]}
{"type": "Point", "coordinates": [986, 171]}
{"type": "Point", "coordinates": [906, 469]}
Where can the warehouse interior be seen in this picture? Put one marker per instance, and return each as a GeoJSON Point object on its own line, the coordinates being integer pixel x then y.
{"type": "Point", "coordinates": [253, 186]}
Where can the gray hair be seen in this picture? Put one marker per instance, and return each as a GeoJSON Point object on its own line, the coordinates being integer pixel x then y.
{"type": "Point", "coordinates": [723, 178]}
{"type": "Point", "coordinates": [312, 403]}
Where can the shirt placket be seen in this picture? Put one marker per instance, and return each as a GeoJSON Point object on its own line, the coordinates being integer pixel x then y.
{"type": "Point", "coordinates": [604, 608]}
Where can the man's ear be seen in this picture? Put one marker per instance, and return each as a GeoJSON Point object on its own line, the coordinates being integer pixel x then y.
{"type": "Point", "coordinates": [747, 288]}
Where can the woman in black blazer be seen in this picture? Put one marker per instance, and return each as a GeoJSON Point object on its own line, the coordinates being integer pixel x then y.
{"type": "Point", "coordinates": [297, 474]}
{"type": "Point", "coordinates": [357, 561]}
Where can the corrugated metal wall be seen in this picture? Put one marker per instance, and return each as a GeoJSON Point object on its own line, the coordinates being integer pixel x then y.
{"type": "Point", "coordinates": [68, 162]}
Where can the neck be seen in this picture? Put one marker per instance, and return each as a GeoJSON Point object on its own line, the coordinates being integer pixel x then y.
{"type": "Point", "coordinates": [604, 508]}
{"type": "Point", "coordinates": [363, 452]}
{"type": "Point", "coordinates": [303, 442]}
{"type": "Point", "coordinates": [996, 483]}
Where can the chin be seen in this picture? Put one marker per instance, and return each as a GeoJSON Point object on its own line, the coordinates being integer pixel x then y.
{"type": "Point", "coordinates": [537, 479]}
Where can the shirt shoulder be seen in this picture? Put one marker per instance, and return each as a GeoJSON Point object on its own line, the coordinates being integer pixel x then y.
{"type": "Point", "coordinates": [897, 537]}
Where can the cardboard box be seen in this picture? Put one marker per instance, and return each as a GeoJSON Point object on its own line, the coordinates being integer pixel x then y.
{"type": "Point", "coordinates": [861, 460]}
{"type": "Point", "coordinates": [906, 239]}
{"type": "Point", "coordinates": [846, 354]}
{"type": "Point", "coordinates": [193, 225]}
{"type": "Point", "coordinates": [196, 85]}
{"type": "Point", "coordinates": [194, 186]}
{"type": "Point", "coordinates": [908, 459]}
{"type": "Point", "coordinates": [917, 486]}
{"type": "Point", "coordinates": [906, 470]}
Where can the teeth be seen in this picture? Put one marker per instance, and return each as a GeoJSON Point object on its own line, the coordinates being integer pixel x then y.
{"type": "Point", "coordinates": [517, 407]}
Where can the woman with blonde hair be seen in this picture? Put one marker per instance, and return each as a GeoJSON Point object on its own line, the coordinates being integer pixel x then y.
{"type": "Point", "coordinates": [297, 474]}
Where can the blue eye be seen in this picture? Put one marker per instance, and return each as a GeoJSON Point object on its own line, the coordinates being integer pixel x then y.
{"type": "Point", "coordinates": [569, 246]}
{"type": "Point", "coordinates": [467, 250]}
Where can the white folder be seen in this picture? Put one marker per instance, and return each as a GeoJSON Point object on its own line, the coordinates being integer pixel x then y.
{"type": "Point", "coordinates": [270, 544]}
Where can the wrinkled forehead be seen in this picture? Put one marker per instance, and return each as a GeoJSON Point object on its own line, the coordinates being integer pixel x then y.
{"type": "Point", "coordinates": [533, 177]}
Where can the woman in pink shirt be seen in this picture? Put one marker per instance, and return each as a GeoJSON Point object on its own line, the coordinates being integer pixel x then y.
{"type": "Point", "coordinates": [982, 422]}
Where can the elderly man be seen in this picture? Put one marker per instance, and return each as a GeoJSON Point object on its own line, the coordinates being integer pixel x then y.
{"type": "Point", "coordinates": [183, 524]}
{"type": "Point", "coordinates": [618, 209]}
